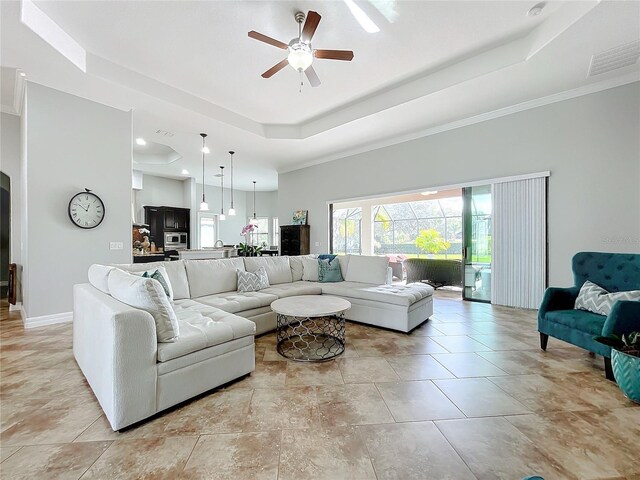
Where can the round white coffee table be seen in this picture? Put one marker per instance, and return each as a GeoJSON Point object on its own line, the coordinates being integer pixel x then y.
{"type": "Point", "coordinates": [310, 328]}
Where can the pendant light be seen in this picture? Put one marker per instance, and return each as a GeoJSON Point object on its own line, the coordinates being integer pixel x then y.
{"type": "Point", "coordinates": [222, 216]}
{"type": "Point", "coordinates": [254, 220]}
{"type": "Point", "coordinates": [232, 211]}
{"type": "Point", "coordinates": [204, 206]}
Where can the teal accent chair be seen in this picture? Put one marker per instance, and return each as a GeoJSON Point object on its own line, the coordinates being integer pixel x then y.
{"type": "Point", "coordinates": [615, 272]}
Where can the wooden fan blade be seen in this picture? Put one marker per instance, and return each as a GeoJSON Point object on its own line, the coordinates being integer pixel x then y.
{"type": "Point", "coordinates": [312, 76]}
{"type": "Point", "coordinates": [275, 69]}
{"type": "Point", "coordinates": [346, 55]}
{"type": "Point", "coordinates": [310, 25]}
{"type": "Point", "coordinates": [271, 41]}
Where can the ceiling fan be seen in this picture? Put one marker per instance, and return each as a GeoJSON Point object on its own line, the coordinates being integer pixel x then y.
{"type": "Point", "coordinates": [301, 54]}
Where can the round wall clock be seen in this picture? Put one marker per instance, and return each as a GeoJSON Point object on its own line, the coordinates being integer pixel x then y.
{"type": "Point", "coordinates": [86, 209]}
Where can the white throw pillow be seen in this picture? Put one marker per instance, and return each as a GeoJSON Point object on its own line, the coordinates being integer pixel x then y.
{"type": "Point", "coordinates": [297, 267]}
{"type": "Point", "coordinates": [310, 269]}
{"type": "Point", "coordinates": [162, 271]}
{"type": "Point", "coordinates": [367, 269]}
{"type": "Point", "coordinates": [252, 281]}
{"type": "Point", "coordinates": [277, 268]}
{"type": "Point", "coordinates": [146, 294]}
{"type": "Point", "coordinates": [596, 299]}
{"type": "Point", "coordinates": [99, 277]}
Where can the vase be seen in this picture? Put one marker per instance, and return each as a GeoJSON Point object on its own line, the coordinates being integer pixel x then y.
{"type": "Point", "coordinates": [626, 370]}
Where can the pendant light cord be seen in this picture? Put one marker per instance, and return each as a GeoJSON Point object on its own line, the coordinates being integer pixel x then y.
{"type": "Point", "coordinates": [254, 200]}
{"type": "Point", "coordinates": [231, 153]}
{"type": "Point", "coordinates": [203, 137]}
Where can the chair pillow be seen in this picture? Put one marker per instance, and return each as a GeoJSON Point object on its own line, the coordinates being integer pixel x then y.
{"type": "Point", "coordinates": [310, 269]}
{"type": "Point", "coordinates": [146, 294]}
{"type": "Point", "coordinates": [596, 299]}
{"type": "Point", "coordinates": [252, 282]}
{"type": "Point", "coordinates": [329, 271]}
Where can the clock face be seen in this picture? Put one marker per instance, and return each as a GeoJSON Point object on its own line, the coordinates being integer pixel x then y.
{"type": "Point", "coordinates": [86, 210]}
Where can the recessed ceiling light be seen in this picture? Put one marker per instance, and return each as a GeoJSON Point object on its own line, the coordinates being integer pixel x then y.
{"type": "Point", "coordinates": [22, 74]}
{"type": "Point", "coordinates": [206, 150]}
{"type": "Point", "coordinates": [141, 141]}
{"type": "Point", "coordinates": [185, 171]}
{"type": "Point", "coordinates": [429, 193]}
{"type": "Point", "coordinates": [536, 9]}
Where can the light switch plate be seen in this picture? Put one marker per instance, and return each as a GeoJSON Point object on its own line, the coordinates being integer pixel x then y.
{"type": "Point", "coordinates": [116, 245]}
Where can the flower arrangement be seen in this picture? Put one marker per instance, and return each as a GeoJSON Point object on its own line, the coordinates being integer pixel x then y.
{"type": "Point", "coordinates": [248, 229]}
{"type": "Point", "coordinates": [246, 249]}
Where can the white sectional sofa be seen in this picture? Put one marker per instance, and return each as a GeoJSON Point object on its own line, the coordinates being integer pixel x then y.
{"type": "Point", "coordinates": [134, 376]}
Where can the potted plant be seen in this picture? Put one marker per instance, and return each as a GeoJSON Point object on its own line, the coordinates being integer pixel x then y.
{"type": "Point", "coordinates": [247, 249]}
{"type": "Point", "coordinates": [625, 362]}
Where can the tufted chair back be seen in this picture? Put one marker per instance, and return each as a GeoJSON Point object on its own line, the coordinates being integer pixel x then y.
{"type": "Point", "coordinates": [615, 272]}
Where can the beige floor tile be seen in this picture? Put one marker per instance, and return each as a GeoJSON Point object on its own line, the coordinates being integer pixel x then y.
{"type": "Point", "coordinates": [161, 458]}
{"type": "Point", "coordinates": [455, 329]}
{"type": "Point", "coordinates": [366, 370]}
{"type": "Point", "coordinates": [324, 454]}
{"type": "Point", "coordinates": [468, 365]}
{"type": "Point", "coordinates": [355, 404]}
{"type": "Point", "coordinates": [59, 421]}
{"type": "Point", "coordinates": [478, 397]}
{"type": "Point", "coordinates": [238, 455]}
{"type": "Point", "coordinates": [427, 329]}
{"type": "Point", "coordinates": [416, 401]}
{"type": "Point", "coordinates": [590, 387]}
{"type": "Point", "coordinates": [501, 341]}
{"type": "Point", "coordinates": [572, 443]}
{"type": "Point", "coordinates": [266, 374]}
{"type": "Point", "coordinates": [540, 394]}
{"type": "Point", "coordinates": [304, 373]}
{"type": "Point", "coordinates": [418, 367]}
{"type": "Point", "coordinates": [460, 344]}
{"type": "Point", "coordinates": [6, 452]}
{"type": "Point", "coordinates": [410, 451]}
{"type": "Point", "coordinates": [15, 409]}
{"type": "Point", "coordinates": [289, 407]}
{"type": "Point", "coordinates": [395, 344]}
{"type": "Point", "coordinates": [52, 462]}
{"type": "Point", "coordinates": [494, 449]}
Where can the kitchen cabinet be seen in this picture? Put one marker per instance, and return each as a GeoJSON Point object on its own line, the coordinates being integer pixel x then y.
{"type": "Point", "coordinates": [163, 220]}
{"type": "Point", "coordinates": [294, 239]}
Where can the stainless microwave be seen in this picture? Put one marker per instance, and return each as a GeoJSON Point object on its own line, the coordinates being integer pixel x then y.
{"type": "Point", "coordinates": [175, 240]}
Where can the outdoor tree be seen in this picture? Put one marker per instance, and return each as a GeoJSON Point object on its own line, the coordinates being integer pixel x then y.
{"type": "Point", "coordinates": [431, 241]}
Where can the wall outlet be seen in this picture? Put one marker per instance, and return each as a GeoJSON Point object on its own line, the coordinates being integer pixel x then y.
{"type": "Point", "coordinates": [116, 245]}
{"type": "Point", "coordinates": [317, 244]}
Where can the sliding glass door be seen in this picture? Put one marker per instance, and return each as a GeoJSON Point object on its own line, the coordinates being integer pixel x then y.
{"type": "Point", "coordinates": [476, 252]}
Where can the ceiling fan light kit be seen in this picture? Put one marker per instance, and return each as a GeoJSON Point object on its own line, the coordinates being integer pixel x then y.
{"type": "Point", "coordinates": [301, 54]}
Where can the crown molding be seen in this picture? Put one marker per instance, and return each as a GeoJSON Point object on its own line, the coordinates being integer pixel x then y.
{"type": "Point", "coordinates": [483, 117]}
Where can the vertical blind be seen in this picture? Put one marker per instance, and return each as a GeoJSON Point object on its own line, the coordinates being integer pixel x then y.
{"type": "Point", "coordinates": [519, 243]}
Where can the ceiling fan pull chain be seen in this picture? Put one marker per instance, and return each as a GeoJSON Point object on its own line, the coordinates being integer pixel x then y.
{"type": "Point", "coordinates": [301, 82]}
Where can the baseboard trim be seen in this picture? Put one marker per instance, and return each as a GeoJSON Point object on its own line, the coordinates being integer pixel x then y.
{"type": "Point", "coordinates": [33, 322]}
{"type": "Point", "coordinates": [16, 308]}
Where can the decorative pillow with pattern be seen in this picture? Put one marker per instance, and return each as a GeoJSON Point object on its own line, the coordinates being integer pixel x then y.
{"type": "Point", "coordinates": [596, 299]}
{"type": "Point", "coordinates": [329, 271]}
{"type": "Point", "coordinates": [252, 282]}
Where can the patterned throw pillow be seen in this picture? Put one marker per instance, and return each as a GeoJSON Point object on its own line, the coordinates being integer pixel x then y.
{"type": "Point", "coordinates": [163, 281]}
{"type": "Point", "coordinates": [252, 282]}
{"type": "Point", "coordinates": [596, 299]}
{"type": "Point", "coordinates": [329, 271]}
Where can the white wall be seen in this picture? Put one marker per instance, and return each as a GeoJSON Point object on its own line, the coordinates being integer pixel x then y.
{"type": "Point", "coordinates": [70, 144]}
{"type": "Point", "coordinates": [10, 165]}
{"type": "Point", "coordinates": [590, 144]}
{"type": "Point", "coordinates": [266, 206]}
{"type": "Point", "coordinates": [161, 192]}
{"type": "Point", "coordinates": [230, 228]}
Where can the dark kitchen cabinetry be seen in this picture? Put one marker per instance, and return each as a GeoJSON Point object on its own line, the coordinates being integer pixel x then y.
{"type": "Point", "coordinates": [176, 219]}
{"type": "Point", "coordinates": [294, 239]}
{"type": "Point", "coordinates": [163, 220]}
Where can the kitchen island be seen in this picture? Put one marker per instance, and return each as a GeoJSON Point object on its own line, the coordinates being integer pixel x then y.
{"type": "Point", "coordinates": [207, 253]}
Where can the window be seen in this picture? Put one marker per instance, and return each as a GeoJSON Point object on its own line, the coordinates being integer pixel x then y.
{"type": "Point", "coordinates": [396, 226]}
{"type": "Point", "coordinates": [276, 232]}
{"type": "Point", "coordinates": [207, 230]}
{"type": "Point", "coordinates": [347, 230]}
{"type": "Point", "coordinates": [260, 236]}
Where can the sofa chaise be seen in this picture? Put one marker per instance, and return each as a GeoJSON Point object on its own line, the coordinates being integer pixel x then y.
{"type": "Point", "coordinates": [134, 376]}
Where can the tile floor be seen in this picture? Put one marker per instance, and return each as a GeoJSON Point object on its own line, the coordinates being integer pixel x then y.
{"type": "Point", "coordinates": [467, 395]}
